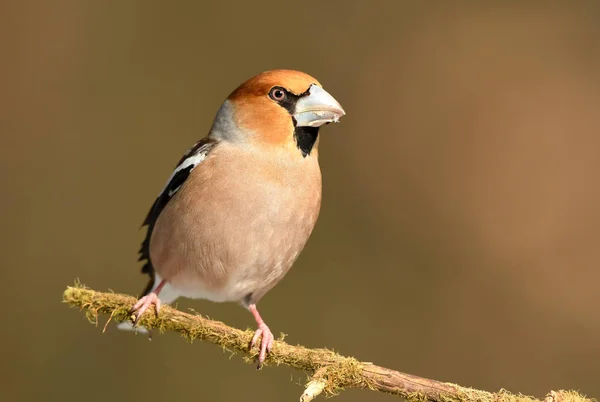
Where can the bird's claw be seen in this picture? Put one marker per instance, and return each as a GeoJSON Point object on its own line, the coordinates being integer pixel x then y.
{"type": "Point", "coordinates": [140, 307]}
{"type": "Point", "coordinates": [266, 344]}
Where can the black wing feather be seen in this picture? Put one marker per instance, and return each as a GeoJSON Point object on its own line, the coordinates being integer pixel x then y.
{"type": "Point", "coordinates": [182, 171]}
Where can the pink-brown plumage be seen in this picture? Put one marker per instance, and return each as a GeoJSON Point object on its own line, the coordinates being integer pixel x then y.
{"type": "Point", "coordinates": [242, 203]}
{"type": "Point", "coordinates": [225, 236]}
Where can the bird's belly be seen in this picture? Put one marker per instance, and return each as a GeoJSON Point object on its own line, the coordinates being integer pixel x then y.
{"type": "Point", "coordinates": [229, 249]}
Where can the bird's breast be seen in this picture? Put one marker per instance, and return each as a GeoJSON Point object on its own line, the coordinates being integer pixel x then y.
{"type": "Point", "coordinates": [237, 225]}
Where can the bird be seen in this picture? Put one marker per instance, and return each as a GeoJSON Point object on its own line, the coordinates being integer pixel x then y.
{"type": "Point", "coordinates": [241, 203]}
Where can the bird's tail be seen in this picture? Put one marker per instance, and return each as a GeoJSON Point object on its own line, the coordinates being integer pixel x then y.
{"type": "Point", "coordinates": [167, 295]}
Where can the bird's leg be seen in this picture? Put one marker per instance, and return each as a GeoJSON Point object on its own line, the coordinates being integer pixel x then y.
{"type": "Point", "coordinates": [146, 301]}
{"type": "Point", "coordinates": [262, 332]}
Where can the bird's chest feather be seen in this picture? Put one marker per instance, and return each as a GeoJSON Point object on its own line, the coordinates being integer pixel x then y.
{"type": "Point", "coordinates": [232, 235]}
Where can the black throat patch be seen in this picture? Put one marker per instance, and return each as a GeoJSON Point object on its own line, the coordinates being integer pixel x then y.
{"type": "Point", "coordinates": [305, 138]}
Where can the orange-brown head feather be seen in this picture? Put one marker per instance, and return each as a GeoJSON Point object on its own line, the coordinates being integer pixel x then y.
{"type": "Point", "coordinates": [256, 112]}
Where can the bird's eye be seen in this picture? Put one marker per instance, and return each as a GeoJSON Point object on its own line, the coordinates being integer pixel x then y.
{"type": "Point", "coordinates": [277, 94]}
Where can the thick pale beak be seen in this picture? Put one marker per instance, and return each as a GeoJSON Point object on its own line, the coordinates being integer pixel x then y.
{"type": "Point", "coordinates": [317, 108]}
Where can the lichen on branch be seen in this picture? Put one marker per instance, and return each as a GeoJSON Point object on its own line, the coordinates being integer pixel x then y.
{"type": "Point", "coordinates": [329, 372]}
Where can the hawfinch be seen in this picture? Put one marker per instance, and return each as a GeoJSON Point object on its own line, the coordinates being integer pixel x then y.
{"type": "Point", "coordinates": [242, 202]}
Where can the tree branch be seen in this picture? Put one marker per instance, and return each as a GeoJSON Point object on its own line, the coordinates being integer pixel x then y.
{"type": "Point", "coordinates": [330, 372]}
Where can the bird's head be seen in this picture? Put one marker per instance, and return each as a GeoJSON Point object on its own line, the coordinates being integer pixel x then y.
{"type": "Point", "coordinates": [280, 108]}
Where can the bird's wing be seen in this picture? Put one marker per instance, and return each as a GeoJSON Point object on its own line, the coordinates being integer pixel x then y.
{"type": "Point", "coordinates": [192, 158]}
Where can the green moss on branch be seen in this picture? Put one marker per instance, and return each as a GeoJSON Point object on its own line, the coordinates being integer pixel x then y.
{"type": "Point", "coordinates": [330, 371]}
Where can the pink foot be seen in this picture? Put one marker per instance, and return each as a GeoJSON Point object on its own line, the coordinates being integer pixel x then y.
{"type": "Point", "coordinates": [264, 334]}
{"type": "Point", "coordinates": [266, 342]}
{"type": "Point", "coordinates": [143, 304]}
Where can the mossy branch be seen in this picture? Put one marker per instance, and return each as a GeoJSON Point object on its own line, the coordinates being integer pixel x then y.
{"type": "Point", "coordinates": [330, 372]}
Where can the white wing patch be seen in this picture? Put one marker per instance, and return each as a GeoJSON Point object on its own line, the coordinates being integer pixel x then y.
{"type": "Point", "coordinates": [192, 161]}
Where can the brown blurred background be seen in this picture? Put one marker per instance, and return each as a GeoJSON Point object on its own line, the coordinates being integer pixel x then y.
{"type": "Point", "coordinates": [460, 229]}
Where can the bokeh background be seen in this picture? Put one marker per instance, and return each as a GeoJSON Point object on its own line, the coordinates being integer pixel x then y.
{"type": "Point", "coordinates": [460, 229]}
